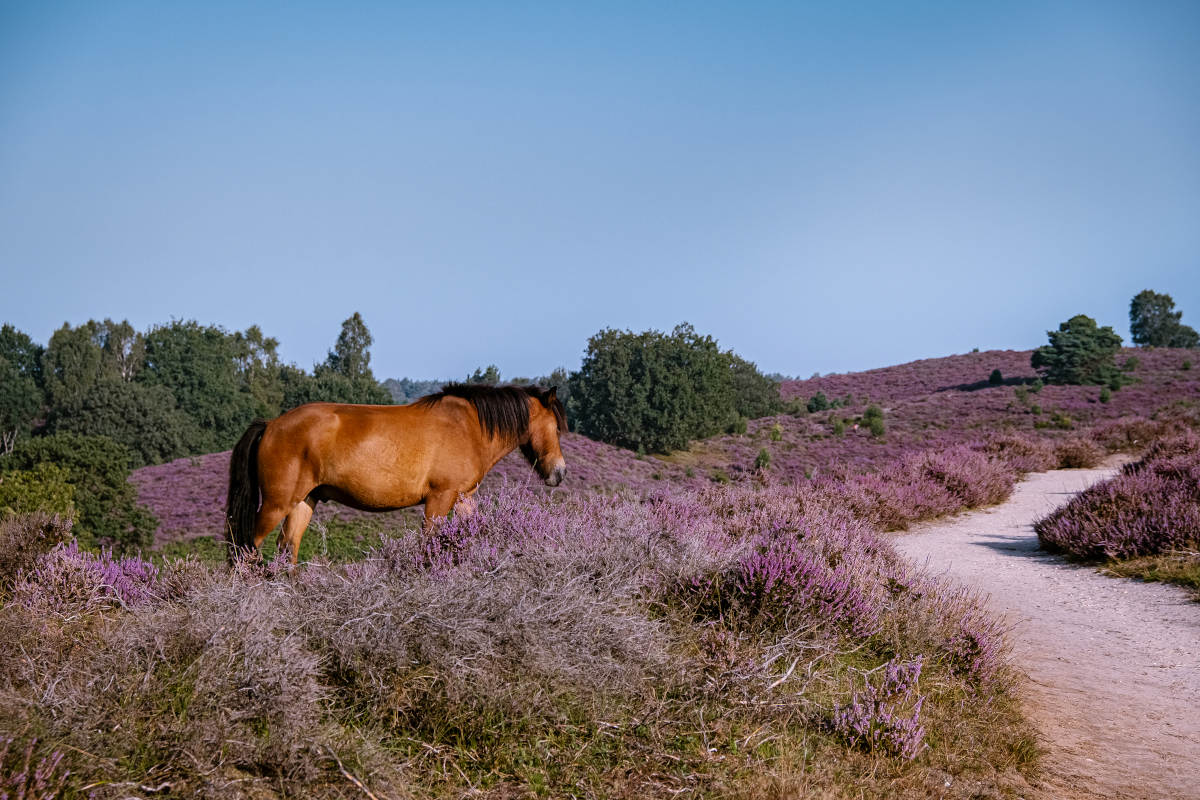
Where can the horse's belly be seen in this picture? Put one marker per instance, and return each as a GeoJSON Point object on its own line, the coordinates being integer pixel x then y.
{"type": "Point", "coordinates": [369, 498]}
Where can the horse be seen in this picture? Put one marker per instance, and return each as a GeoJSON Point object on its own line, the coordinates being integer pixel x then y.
{"type": "Point", "coordinates": [434, 450]}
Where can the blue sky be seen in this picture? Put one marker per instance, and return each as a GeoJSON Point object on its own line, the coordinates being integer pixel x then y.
{"type": "Point", "coordinates": [822, 187]}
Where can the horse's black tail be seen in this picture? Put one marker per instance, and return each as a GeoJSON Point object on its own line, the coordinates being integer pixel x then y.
{"type": "Point", "coordinates": [241, 505]}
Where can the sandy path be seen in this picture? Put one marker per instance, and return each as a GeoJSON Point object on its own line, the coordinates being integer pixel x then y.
{"type": "Point", "coordinates": [1115, 664]}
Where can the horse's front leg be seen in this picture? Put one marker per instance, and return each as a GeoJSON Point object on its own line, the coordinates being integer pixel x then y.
{"type": "Point", "coordinates": [437, 506]}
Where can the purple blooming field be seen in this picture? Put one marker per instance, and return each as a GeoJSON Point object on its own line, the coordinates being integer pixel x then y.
{"type": "Point", "coordinates": [684, 625]}
{"type": "Point", "coordinates": [934, 404]}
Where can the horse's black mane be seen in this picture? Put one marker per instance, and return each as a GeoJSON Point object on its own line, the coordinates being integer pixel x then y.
{"type": "Point", "coordinates": [502, 410]}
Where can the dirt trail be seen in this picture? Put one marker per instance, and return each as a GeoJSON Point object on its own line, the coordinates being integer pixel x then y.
{"type": "Point", "coordinates": [1115, 664]}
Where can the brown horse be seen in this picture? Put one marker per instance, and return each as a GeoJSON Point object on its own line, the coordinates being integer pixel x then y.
{"type": "Point", "coordinates": [435, 450]}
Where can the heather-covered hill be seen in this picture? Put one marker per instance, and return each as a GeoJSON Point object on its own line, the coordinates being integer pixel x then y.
{"type": "Point", "coordinates": [928, 404]}
{"type": "Point", "coordinates": [939, 402]}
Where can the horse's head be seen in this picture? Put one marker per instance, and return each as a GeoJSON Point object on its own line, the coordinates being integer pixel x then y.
{"type": "Point", "coordinates": [547, 421]}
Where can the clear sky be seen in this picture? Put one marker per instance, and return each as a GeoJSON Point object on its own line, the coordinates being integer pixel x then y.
{"type": "Point", "coordinates": [823, 187]}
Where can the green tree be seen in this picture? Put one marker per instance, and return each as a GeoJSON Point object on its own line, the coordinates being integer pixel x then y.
{"type": "Point", "coordinates": [198, 364]}
{"type": "Point", "coordinates": [489, 375]}
{"type": "Point", "coordinates": [351, 356]}
{"type": "Point", "coordinates": [346, 375]}
{"type": "Point", "coordinates": [1154, 322]}
{"type": "Point", "coordinates": [654, 391]}
{"type": "Point", "coordinates": [21, 395]}
{"type": "Point", "coordinates": [98, 469]}
{"type": "Point", "coordinates": [142, 418]}
{"type": "Point", "coordinates": [755, 394]}
{"type": "Point", "coordinates": [123, 348]}
{"type": "Point", "coordinates": [73, 364]}
{"type": "Point", "coordinates": [1080, 352]}
{"type": "Point", "coordinates": [257, 360]}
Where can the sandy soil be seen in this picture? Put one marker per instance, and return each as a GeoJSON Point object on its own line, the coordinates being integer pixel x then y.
{"type": "Point", "coordinates": [1114, 664]}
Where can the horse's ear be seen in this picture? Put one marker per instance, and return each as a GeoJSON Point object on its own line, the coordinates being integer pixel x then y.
{"type": "Point", "coordinates": [551, 394]}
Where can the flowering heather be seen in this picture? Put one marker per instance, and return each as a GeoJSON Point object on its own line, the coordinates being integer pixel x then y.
{"type": "Point", "coordinates": [879, 717]}
{"type": "Point", "coordinates": [601, 627]}
{"type": "Point", "coordinates": [26, 537]}
{"type": "Point", "coordinates": [22, 777]}
{"type": "Point", "coordinates": [1152, 507]}
{"type": "Point", "coordinates": [68, 579]}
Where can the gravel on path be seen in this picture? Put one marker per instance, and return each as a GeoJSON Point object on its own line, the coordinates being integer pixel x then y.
{"type": "Point", "coordinates": [1114, 664]}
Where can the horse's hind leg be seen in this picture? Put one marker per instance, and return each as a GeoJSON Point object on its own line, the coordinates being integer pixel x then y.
{"type": "Point", "coordinates": [294, 526]}
{"type": "Point", "coordinates": [269, 517]}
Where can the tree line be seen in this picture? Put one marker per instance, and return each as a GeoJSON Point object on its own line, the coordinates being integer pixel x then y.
{"type": "Point", "coordinates": [178, 389]}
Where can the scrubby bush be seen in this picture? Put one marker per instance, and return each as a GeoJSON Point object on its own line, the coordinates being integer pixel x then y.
{"type": "Point", "coordinates": [23, 539]}
{"type": "Point", "coordinates": [1021, 453]}
{"type": "Point", "coordinates": [44, 488]}
{"type": "Point", "coordinates": [1078, 453]}
{"type": "Point", "coordinates": [776, 432]}
{"type": "Point", "coordinates": [818, 402]}
{"type": "Point", "coordinates": [98, 470]}
{"type": "Point", "coordinates": [1036, 385]}
{"type": "Point", "coordinates": [996, 378]}
{"type": "Point", "coordinates": [1079, 352]}
{"type": "Point", "coordinates": [763, 459]}
{"type": "Point", "coordinates": [873, 418]}
{"type": "Point", "coordinates": [1105, 394]}
{"type": "Point", "coordinates": [1128, 434]}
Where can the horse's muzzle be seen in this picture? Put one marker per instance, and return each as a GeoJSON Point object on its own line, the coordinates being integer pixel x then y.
{"type": "Point", "coordinates": [556, 477]}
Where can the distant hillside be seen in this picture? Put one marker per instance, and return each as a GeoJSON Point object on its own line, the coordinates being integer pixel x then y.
{"type": "Point", "coordinates": [932, 403]}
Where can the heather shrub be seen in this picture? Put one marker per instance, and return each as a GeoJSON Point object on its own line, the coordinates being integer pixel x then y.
{"type": "Point", "coordinates": [878, 717]}
{"type": "Point", "coordinates": [68, 580]}
{"type": "Point", "coordinates": [1127, 434]}
{"type": "Point", "coordinates": [23, 539]}
{"type": "Point", "coordinates": [1152, 507]}
{"type": "Point", "coordinates": [28, 775]}
{"type": "Point", "coordinates": [1078, 453]}
{"type": "Point", "coordinates": [970, 477]}
{"type": "Point", "coordinates": [1021, 453]}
